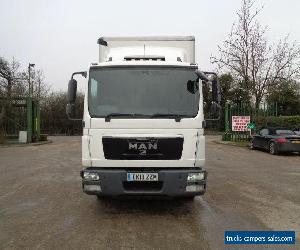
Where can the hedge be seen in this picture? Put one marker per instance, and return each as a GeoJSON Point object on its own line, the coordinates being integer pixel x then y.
{"type": "Point", "coordinates": [290, 122]}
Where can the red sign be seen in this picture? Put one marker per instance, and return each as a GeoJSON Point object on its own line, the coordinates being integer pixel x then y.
{"type": "Point", "coordinates": [239, 123]}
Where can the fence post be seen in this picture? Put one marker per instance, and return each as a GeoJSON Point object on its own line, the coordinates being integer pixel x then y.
{"type": "Point", "coordinates": [29, 119]}
{"type": "Point", "coordinates": [226, 117]}
{"type": "Point", "coordinates": [38, 121]}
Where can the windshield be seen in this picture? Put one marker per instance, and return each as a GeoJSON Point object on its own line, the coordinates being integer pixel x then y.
{"type": "Point", "coordinates": [142, 91]}
{"type": "Point", "coordinates": [284, 132]}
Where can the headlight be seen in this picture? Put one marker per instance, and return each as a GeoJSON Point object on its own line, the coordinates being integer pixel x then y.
{"type": "Point", "coordinates": [192, 177]}
{"type": "Point", "coordinates": [90, 176]}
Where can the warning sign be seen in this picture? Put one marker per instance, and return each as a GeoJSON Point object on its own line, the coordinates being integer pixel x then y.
{"type": "Point", "coordinates": [239, 123]}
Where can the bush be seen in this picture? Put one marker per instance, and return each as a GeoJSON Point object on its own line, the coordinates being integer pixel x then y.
{"type": "Point", "coordinates": [43, 137]}
{"type": "Point", "coordinates": [290, 122]}
{"type": "Point", "coordinates": [2, 138]}
{"type": "Point", "coordinates": [12, 137]}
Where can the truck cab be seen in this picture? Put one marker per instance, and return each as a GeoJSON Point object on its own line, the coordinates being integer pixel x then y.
{"type": "Point", "coordinates": [143, 132]}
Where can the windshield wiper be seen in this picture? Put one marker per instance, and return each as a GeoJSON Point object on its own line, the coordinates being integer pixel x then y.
{"type": "Point", "coordinates": [109, 116]}
{"type": "Point", "coordinates": [177, 117]}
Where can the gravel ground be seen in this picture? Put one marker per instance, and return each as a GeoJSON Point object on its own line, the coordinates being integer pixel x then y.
{"type": "Point", "coordinates": [42, 205]}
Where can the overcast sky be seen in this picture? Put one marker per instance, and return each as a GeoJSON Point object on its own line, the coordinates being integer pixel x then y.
{"type": "Point", "coordinates": [60, 37]}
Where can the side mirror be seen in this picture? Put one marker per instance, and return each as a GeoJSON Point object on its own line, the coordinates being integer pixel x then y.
{"type": "Point", "coordinates": [192, 86]}
{"type": "Point", "coordinates": [70, 110]}
{"type": "Point", "coordinates": [215, 90]}
{"type": "Point", "coordinates": [72, 89]}
{"type": "Point", "coordinates": [215, 108]}
{"type": "Point", "coordinates": [71, 96]}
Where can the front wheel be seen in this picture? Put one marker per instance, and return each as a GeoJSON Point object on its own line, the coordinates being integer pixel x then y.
{"type": "Point", "coordinates": [272, 148]}
{"type": "Point", "coordinates": [251, 146]}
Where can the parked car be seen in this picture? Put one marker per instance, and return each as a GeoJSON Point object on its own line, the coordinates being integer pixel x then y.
{"type": "Point", "coordinates": [297, 131]}
{"type": "Point", "coordinates": [276, 140]}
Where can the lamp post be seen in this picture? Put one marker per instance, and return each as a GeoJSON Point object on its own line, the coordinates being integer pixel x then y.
{"type": "Point", "coordinates": [29, 107]}
{"type": "Point", "coordinates": [30, 86]}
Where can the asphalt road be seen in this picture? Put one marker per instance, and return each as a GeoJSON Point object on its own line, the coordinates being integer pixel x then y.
{"type": "Point", "coordinates": [42, 205]}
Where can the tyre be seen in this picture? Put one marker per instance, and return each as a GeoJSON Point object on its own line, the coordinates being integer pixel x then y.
{"type": "Point", "coordinates": [272, 148]}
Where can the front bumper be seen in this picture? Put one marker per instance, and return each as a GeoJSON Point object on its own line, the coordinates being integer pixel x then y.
{"type": "Point", "coordinates": [171, 182]}
{"type": "Point", "coordinates": [288, 147]}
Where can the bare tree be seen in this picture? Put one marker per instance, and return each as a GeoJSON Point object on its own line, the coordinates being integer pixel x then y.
{"type": "Point", "coordinates": [54, 117]}
{"type": "Point", "coordinates": [252, 60]}
{"type": "Point", "coordinates": [37, 79]}
{"type": "Point", "coordinates": [10, 76]}
{"type": "Point", "coordinates": [14, 83]}
{"type": "Point", "coordinates": [10, 81]}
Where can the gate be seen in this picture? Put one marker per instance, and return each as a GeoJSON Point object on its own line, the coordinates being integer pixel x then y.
{"type": "Point", "coordinates": [247, 114]}
{"type": "Point", "coordinates": [22, 114]}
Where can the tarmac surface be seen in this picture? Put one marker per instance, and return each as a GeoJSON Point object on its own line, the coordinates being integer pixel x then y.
{"type": "Point", "coordinates": [42, 205]}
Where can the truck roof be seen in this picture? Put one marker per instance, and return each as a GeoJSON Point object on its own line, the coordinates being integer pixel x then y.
{"type": "Point", "coordinates": [155, 48]}
{"type": "Point", "coordinates": [105, 39]}
{"type": "Point", "coordinates": [144, 63]}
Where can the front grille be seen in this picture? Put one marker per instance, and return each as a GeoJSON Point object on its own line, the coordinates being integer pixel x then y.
{"type": "Point", "coordinates": [150, 186]}
{"type": "Point", "coordinates": [142, 148]}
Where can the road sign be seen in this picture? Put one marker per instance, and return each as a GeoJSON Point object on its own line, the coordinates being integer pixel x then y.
{"type": "Point", "coordinates": [251, 125]}
{"type": "Point", "coordinates": [239, 123]}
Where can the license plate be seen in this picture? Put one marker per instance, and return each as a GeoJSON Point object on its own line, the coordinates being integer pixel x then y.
{"type": "Point", "coordinates": [142, 176]}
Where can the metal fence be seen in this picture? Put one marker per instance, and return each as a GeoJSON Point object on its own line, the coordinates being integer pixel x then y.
{"type": "Point", "coordinates": [243, 109]}
{"type": "Point", "coordinates": [15, 117]}
{"type": "Point", "coordinates": [21, 114]}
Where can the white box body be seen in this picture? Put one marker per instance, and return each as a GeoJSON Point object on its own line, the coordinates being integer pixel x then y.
{"type": "Point", "coordinates": [172, 48]}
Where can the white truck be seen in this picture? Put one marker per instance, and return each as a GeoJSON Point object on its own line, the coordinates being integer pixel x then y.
{"type": "Point", "coordinates": [143, 118]}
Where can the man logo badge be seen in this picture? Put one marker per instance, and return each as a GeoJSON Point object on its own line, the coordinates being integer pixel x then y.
{"type": "Point", "coordinates": [142, 147]}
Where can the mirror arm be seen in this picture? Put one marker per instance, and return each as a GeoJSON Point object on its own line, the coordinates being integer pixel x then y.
{"type": "Point", "coordinates": [73, 119]}
{"type": "Point", "coordinates": [210, 73]}
{"type": "Point", "coordinates": [83, 73]}
{"type": "Point", "coordinates": [202, 76]}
